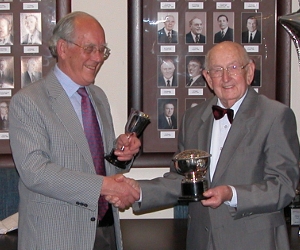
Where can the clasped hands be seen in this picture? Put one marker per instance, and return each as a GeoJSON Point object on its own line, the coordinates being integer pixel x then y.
{"type": "Point", "coordinates": [127, 146]}
{"type": "Point", "coordinates": [120, 191]}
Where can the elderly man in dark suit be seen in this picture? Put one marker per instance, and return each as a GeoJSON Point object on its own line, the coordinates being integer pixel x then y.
{"type": "Point", "coordinates": [254, 166]}
{"type": "Point", "coordinates": [226, 33]}
{"type": "Point", "coordinates": [167, 76]}
{"type": "Point", "coordinates": [168, 34]}
{"type": "Point", "coordinates": [60, 129]}
{"type": "Point", "coordinates": [167, 120]}
{"type": "Point", "coordinates": [252, 35]}
{"type": "Point", "coordinates": [195, 36]}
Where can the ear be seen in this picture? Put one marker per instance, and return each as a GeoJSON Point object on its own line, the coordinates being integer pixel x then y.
{"type": "Point", "coordinates": [250, 68]}
{"type": "Point", "coordinates": [207, 78]}
{"type": "Point", "coordinates": [61, 48]}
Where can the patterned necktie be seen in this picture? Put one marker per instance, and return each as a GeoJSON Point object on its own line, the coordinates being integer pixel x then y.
{"type": "Point", "coordinates": [93, 135]}
{"type": "Point", "coordinates": [169, 37]}
{"type": "Point", "coordinates": [197, 38]}
{"type": "Point", "coordinates": [222, 34]}
{"type": "Point", "coordinates": [219, 112]}
{"type": "Point", "coordinates": [170, 122]}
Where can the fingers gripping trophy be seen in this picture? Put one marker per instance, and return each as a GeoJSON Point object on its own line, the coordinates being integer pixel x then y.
{"type": "Point", "coordinates": [136, 123]}
{"type": "Point", "coordinates": [193, 165]}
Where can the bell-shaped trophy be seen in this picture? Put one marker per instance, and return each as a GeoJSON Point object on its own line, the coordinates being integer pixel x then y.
{"type": "Point", "coordinates": [193, 165]}
{"type": "Point", "coordinates": [136, 123]}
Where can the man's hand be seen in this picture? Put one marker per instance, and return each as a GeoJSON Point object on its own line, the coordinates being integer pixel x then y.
{"type": "Point", "coordinates": [120, 191]}
{"type": "Point", "coordinates": [217, 196]}
{"type": "Point", "coordinates": [127, 146]}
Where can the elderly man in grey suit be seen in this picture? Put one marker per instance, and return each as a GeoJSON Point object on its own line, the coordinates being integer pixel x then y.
{"type": "Point", "coordinates": [253, 171]}
{"type": "Point", "coordinates": [61, 196]}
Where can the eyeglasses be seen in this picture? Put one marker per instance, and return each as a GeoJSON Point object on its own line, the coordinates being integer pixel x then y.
{"type": "Point", "coordinates": [232, 70]}
{"type": "Point", "coordinates": [89, 49]}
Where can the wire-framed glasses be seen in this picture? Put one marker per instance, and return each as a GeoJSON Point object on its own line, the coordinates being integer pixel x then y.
{"type": "Point", "coordinates": [90, 48]}
{"type": "Point", "coordinates": [232, 70]}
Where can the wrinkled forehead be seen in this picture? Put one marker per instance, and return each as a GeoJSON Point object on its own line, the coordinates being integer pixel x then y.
{"type": "Point", "coordinates": [225, 53]}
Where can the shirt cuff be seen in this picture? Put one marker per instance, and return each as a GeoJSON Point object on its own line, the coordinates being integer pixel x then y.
{"type": "Point", "coordinates": [233, 201]}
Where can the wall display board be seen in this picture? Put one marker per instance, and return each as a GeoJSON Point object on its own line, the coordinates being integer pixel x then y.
{"type": "Point", "coordinates": [168, 45]}
{"type": "Point", "coordinates": [25, 28]}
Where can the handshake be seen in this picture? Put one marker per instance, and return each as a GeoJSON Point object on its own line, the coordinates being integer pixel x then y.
{"type": "Point", "coordinates": [120, 191]}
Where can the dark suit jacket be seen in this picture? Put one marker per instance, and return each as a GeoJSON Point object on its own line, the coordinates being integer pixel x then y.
{"type": "Point", "coordinates": [260, 159]}
{"type": "Point", "coordinates": [199, 82]}
{"type": "Point", "coordinates": [58, 183]}
{"type": "Point", "coordinates": [162, 83]}
{"type": "Point", "coordinates": [228, 36]}
{"type": "Point", "coordinates": [163, 123]}
{"type": "Point", "coordinates": [26, 78]}
{"type": "Point", "coordinates": [6, 81]}
{"type": "Point", "coordinates": [4, 124]}
{"type": "Point", "coordinates": [256, 38]}
{"type": "Point", "coordinates": [189, 38]}
{"type": "Point", "coordinates": [163, 37]}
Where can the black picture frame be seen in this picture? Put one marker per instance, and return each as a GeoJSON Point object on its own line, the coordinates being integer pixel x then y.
{"type": "Point", "coordinates": [135, 70]}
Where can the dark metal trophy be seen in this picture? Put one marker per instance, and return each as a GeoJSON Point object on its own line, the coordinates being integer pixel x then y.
{"type": "Point", "coordinates": [193, 165]}
{"type": "Point", "coordinates": [136, 123]}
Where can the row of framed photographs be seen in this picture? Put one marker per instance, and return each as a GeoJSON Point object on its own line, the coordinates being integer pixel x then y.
{"type": "Point", "coordinates": [30, 28]}
{"type": "Point", "coordinates": [31, 70]}
{"type": "Point", "coordinates": [195, 27]}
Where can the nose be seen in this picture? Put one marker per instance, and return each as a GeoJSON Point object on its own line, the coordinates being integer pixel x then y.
{"type": "Point", "coordinates": [226, 75]}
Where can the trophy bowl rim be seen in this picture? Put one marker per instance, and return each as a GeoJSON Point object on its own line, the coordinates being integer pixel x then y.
{"type": "Point", "coordinates": [203, 155]}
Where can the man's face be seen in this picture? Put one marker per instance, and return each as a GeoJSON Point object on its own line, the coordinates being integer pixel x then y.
{"type": "Point", "coordinates": [197, 26]}
{"type": "Point", "coordinates": [30, 23]}
{"type": "Point", "coordinates": [80, 66]}
{"type": "Point", "coordinates": [4, 28]}
{"type": "Point", "coordinates": [194, 68]}
{"type": "Point", "coordinates": [251, 25]}
{"type": "Point", "coordinates": [3, 108]}
{"type": "Point", "coordinates": [229, 88]}
{"type": "Point", "coordinates": [167, 69]}
{"type": "Point", "coordinates": [169, 109]}
{"type": "Point", "coordinates": [169, 23]}
{"type": "Point", "coordinates": [223, 23]}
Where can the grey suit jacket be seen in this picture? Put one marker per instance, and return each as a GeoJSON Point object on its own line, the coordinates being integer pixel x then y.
{"type": "Point", "coordinates": [259, 158]}
{"type": "Point", "coordinates": [58, 186]}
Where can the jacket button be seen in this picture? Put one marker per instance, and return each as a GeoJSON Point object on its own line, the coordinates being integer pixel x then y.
{"type": "Point", "coordinates": [93, 219]}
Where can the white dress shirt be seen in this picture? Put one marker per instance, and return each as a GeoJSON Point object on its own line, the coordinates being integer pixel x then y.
{"type": "Point", "coordinates": [219, 134]}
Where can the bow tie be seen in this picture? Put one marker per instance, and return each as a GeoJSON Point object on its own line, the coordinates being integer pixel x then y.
{"type": "Point", "coordinates": [219, 112]}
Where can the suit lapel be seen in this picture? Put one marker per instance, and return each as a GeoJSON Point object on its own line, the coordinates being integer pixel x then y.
{"type": "Point", "coordinates": [64, 110]}
{"type": "Point", "coordinates": [239, 129]}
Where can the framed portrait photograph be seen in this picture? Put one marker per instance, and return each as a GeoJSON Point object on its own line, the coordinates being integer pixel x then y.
{"type": "Point", "coordinates": [212, 21]}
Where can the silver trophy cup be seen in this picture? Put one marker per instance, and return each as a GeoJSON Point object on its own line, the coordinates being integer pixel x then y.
{"type": "Point", "coordinates": [193, 165]}
{"type": "Point", "coordinates": [136, 123]}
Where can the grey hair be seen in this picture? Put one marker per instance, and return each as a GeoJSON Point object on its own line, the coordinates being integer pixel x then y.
{"type": "Point", "coordinates": [64, 29]}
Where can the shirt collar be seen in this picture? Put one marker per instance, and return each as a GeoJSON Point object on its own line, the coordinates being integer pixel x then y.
{"type": "Point", "coordinates": [66, 82]}
{"type": "Point", "coordinates": [235, 106]}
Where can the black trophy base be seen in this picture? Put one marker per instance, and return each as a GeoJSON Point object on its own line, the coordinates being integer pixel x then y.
{"type": "Point", "coordinates": [193, 191]}
{"type": "Point", "coordinates": [112, 158]}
